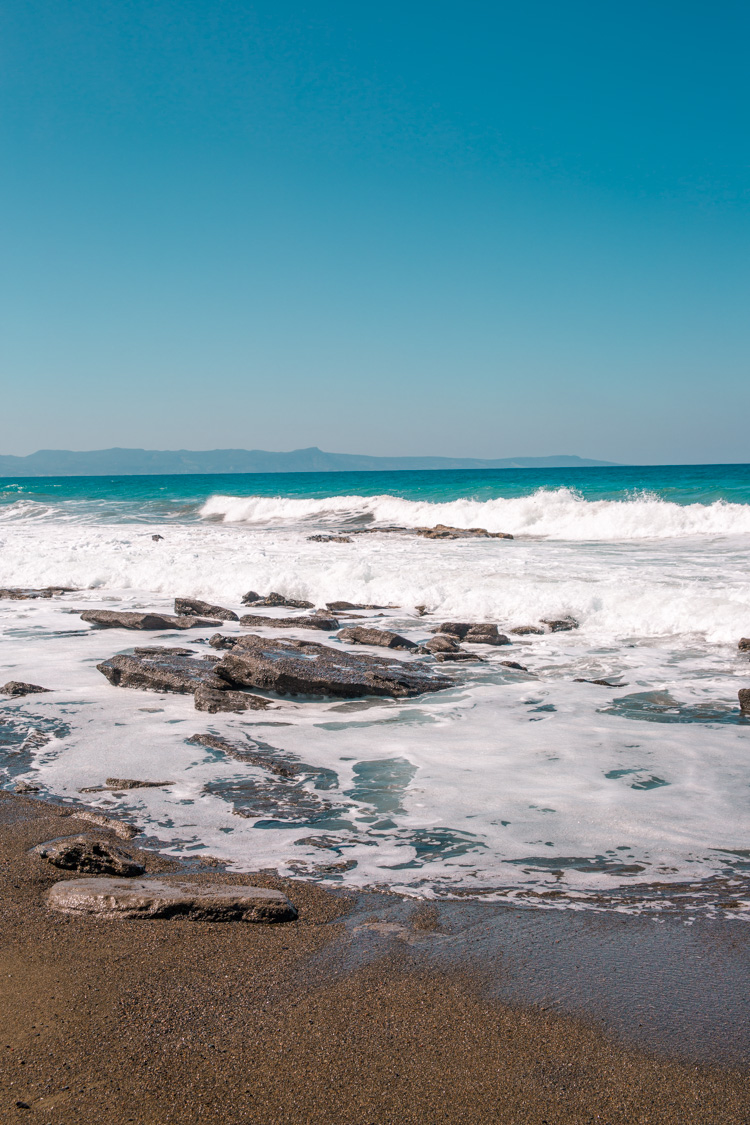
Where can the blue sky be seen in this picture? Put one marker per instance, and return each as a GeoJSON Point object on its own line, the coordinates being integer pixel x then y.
{"type": "Point", "coordinates": [479, 229]}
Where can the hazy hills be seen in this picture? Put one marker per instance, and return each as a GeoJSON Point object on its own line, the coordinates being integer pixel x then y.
{"type": "Point", "coordinates": [131, 462]}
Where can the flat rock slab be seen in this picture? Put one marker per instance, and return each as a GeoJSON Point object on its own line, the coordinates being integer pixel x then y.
{"type": "Point", "coordinates": [383, 638]}
{"type": "Point", "coordinates": [186, 607]}
{"type": "Point", "coordinates": [180, 674]}
{"type": "Point", "coordinates": [211, 700]}
{"type": "Point", "coordinates": [81, 853]}
{"type": "Point", "coordinates": [125, 619]}
{"type": "Point", "coordinates": [311, 621]}
{"type": "Point", "coordinates": [156, 898]}
{"type": "Point", "coordinates": [17, 687]}
{"type": "Point", "coordinates": [306, 668]}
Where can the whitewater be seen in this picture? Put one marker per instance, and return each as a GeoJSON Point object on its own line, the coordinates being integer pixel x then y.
{"type": "Point", "coordinates": [520, 783]}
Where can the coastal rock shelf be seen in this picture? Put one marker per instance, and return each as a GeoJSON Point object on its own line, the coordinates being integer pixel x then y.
{"type": "Point", "coordinates": [123, 619]}
{"type": "Point", "coordinates": [156, 898]}
{"type": "Point", "coordinates": [313, 621]}
{"type": "Point", "coordinates": [306, 668]}
{"type": "Point", "coordinates": [180, 674]}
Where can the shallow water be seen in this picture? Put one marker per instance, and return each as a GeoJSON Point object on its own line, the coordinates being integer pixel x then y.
{"type": "Point", "coordinates": [510, 784]}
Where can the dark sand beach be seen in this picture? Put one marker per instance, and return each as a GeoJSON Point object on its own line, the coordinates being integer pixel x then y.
{"type": "Point", "coordinates": [347, 1015]}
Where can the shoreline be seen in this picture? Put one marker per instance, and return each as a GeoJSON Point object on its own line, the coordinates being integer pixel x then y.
{"type": "Point", "coordinates": [370, 1007]}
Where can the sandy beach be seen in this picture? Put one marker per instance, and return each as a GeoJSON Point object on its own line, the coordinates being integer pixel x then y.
{"type": "Point", "coordinates": [174, 1020]}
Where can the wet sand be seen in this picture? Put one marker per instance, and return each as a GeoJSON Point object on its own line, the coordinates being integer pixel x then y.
{"type": "Point", "coordinates": [339, 1017]}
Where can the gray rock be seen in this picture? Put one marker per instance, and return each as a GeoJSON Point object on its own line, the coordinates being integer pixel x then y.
{"type": "Point", "coordinates": [124, 619]}
{"type": "Point", "coordinates": [600, 683]}
{"type": "Point", "coordinates": [243, 753]}
{"type": "Point", "coordinates": [443, 531]}
{"type": "Point", "coordinates": [187, 607]}
{"type": "Point", "coordinates": [26, 787]}
{"type": "Point", "coordinates": [306, 668]}
{"type": "Point", "coordinates": [157, 898]}
{"type": "Point", "coordinates": [459, 654]}
{"type": "Point", "coordinates": [116, 783]}
{"type": "Point", "coordinates": [527, 630]}
{"type": "Point", "coordinates": [744, 645]}
{"type": "Point", "coordinates": [329, 539]}
{"type": "Point", "coordinates": [221, 641]}
{"type": "Point", "coordinates": [21, 593]}
{"type": "Point", "coordinates": [514, 665]}
{"type": "Point", "coordinates": [156, 538]}
{"type": "Point", "coordinates": [383, 638]}
{"type": "Point", "coordinates": [483, 633]}
{"type": "Point", "coordinates": [82, 853]}
{"type": "Point", "coordinates": [560, 624]}
{"type": "Point", "coordinates": [441, 643]}
{"type": "Point", "coordinates": [336, 607]}
{"type": "Point", "coordinates": [744, 698]}
{"type": "Point", "coordinates": [157, 651]}
{"type": "Point", "coordinates": [17, 687]}
{"type": "Point", "coordinates": [274, 599]}
{"type": "Point", "coordinates": [179, 674]}
{"type": "Point", "coordinates": [120, 828]}
{"type": "Point", "coordinates": [308, 621]}
{"type": "Point", "coordinates": [212, 700]}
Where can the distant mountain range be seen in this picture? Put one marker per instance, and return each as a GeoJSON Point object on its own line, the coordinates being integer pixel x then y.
{"type": "Point", "coordinates": [145, 462]}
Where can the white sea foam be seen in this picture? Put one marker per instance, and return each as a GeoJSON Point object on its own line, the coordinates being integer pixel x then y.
{"type": "Point", "coordinates": [555, 514]}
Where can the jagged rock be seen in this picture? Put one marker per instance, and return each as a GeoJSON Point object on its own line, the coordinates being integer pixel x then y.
{"type": "Point", "coordinates": [443, 531]}
{"type": "Point", "coordinates": [160, 673]}
{"type": "Point", "coordinates": [157, 898]}
{"type": "Point", "coordinates": [744, 645]}
{"type": "Point", "coordinates": [744, 698]}
{"type": "Point", "coordinates": [17, 687]}
{"type": "Point", "coordinates": [527, 630]}
{"type": "Point", "coordinates": [212, 700]}
{"type": "Point", "coordinates": [514, 665]}
{"type": "Point", "coordinates": [329, 539]}
{"type": "Point", "coordinates": [274, 599]}
{"type": "Point", "coordinates": [336, 607]}
{"type": "Point", "coordinates": [187, 607]}
{"type": "Point", "coordinates": [383, 638]}
{"type": "Point", "coordinates": [120, 828]}
{"type": "Point", "coordinates": [560, 624]}
{"type": "Point", "coordinates": [124, 619]}
{"type": "Point", "coordinates": [117, 783]}
{"type": "Point", "coordinates": [81, 853]}
{"type": "Point", "coordinates": [309, 621]}
{"type": "Point", "coordinates": [156, 651]}
{"type": "Point", "coordinates": [441, 643]}
{"type": "Point", "coordinates": [306, 668]}
{"type": "Point", "coordinates": [21, 593]}
{"type": "Point", "coordinates": [478, 634]}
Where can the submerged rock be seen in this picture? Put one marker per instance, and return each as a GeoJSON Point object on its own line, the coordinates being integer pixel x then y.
{"type": "Point", "coordinates": [274, 599]}
{"type": "Point", "coordinates": [22, 593]}
{"type": "Point", "coordinates": [186, 607]}
{"type": "Point", "coordinates": [514, 665]}
{"type": "Point", "coordinates": [560, 624]}
{"type": "Point", "coordinates": [329, 539]}
{"type": "Point", "coordinates": [443, 531]}
{"type": "Point", "coordinates": [116, 783]}
{"type": "Point", "coordinates": [179, 674]}
{"type": "Point", "coordinates": [306, 668]}
{"type": "Point", "coordinates": [527, 630]}
{"type": "Point", "coordinates": [310, 621]}
{"type": "Point", "coordinates": [125, 619]}
{"type": "Point", "coordinates": [356, 635]}
{"type": "Point", "coordinates": [744, 698]}
{"type": "Point", "coordinates": [600, 683]}
{"type": "Point", "coordinates": [243, 753]}
{"type": "Point", "coordinates": [157, 898]}
{"type": "Point", "coordinates": [214, 700]}
{"type": "Point", "coordinates": [18, 687]}
{"type": "Point", "coordinates": [82, 853]}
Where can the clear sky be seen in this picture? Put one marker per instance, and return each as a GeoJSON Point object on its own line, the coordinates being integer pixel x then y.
{"type": "Point", "coordinates": [475, 229]}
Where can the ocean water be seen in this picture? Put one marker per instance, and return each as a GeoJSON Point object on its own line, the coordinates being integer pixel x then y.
{"type": "Point", "coordinates": [524, 785]}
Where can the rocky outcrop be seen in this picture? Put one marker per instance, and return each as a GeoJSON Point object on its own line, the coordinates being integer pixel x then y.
{"type": "Point", "coordinates": [193, 607]}
{"type": "Point", "coordinates": [305, 668]}
{"type": "Point", "coordinates": [274, 599]}
{"type": "Point", "coordinates": [744, 698]}
{"type": "Point", "coordinates": [157, 898]}
{"type": "Point", "coordinates": [560, 624]}
{"type": "Point", "coordinates": [93, 857]}
{"type": "Point", "coordinates": [443, 531]}
{"type": "Point", "coordinates": [309, 621]}
{"type": "Point", "coordinates": [341, 607]}
{"type": "Point", "coordinates": [214, 700]}
{"type": "Point", "coordinates": [18, 687]}
{"type": "Point", "coordinates": [744, 645]}
{"type": "Point", "coordinates": [21, 593]}
{"type": "Point", "coordinates": [180, 674]}
{"type": "Point", "coordinates": [124, 619]}
{"type": "Point", "coordinates": [441, 643]}
{"type": "Point", "coordinates": [154, 650]}
{"type": "Point", "coordinates": [527, 630]}
{"type": "Point", "coordinates": [383, 638]}
{"type": "Point", "coordinates": [478, 634]}
{"type": "Point", "coordinates": [329, 539]}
